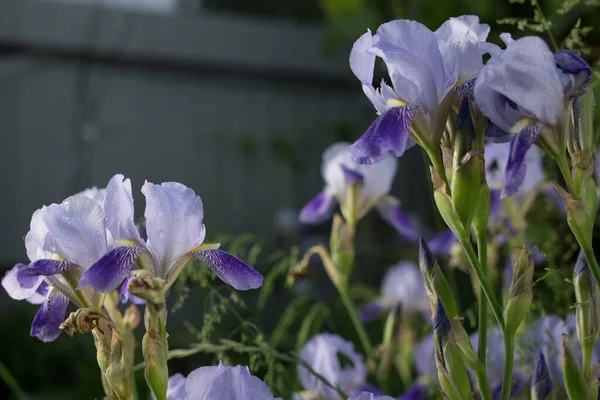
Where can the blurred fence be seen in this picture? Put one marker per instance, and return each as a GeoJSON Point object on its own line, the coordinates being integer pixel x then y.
{"type": "Point", "coordinates": [237, 109]}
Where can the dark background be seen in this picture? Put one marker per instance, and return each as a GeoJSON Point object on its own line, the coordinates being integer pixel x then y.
{"type": "Point", "coordinates": [236, 99]}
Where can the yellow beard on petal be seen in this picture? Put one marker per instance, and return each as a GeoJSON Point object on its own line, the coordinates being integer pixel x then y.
{"type": "Point", "coordinates": [395, 103]}
{"type": "Point", "coordinates": [522, 124]}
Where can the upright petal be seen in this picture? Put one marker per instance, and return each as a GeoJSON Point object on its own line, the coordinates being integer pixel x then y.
{"type": "Point", "coordinates": [576, 73]}
{"type": "Point", "coordinates": [230, 269]}
{"type": "Point", "coordinates": [20, 287]}
{"type": "Point", "coordinates": [38, 241]}
{"type": "Point", "coordinates": [77, 228]}
{"type": "Point", "coordinates": [318, 209]}
{"type": "Point", "coordinates": [321, 353]}
{"type": "Point", "coordinates": [463, 43]}
{"type": "Point", "coordinates": [472, 21]}
{"type": "Point", "coordinates": [118, 208]}
{"type": "Point", "coordinates": [95, 194]}
{"type": "Point", "coordinates": [45, 325]}
{"type": "Point", "coordinates": [403, 284]}
{"type": "Point", "coordinates": [174, 216]}
{"type": "Point", "coordinates": [390, 210]}
{"type": "Point", "coordinates": [522, 81]}
{"type": "Point", "coordinates": [232, 383]}
{"type": "Point", "coordinates": [387, 135]}
{"type": "Point", "coordinates": [111, 269]}
{"type": "Point", "coordinates": [362, 62]}
{"type": "Point", "coordinates": [516, 167]}
{"type": "Point", "coordinates": [412, 55]}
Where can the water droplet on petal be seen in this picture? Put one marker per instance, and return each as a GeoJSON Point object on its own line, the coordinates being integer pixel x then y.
{"type": "Point", "coordinates": [162, 234]}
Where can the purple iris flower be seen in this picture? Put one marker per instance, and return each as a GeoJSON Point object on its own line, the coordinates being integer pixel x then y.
{"type": "Point", "coordinates": [427, 70]}
{"type": "Point", "coordinates": [63, 241]}
{"type": "Point", "coordinates": [523, 92]}
{"type": "Point", "coordinates": [323, 353]}
{"type": "Point", "coordinates": [441, 244]}
{"type": "Point", "coordinates": [374, 183]}
{"type": "Point", "coordinates": [370, 396]}
{"type": "Point", "coordinates": [173, 215]}
{"type": "Point", "coordinates": [402, 286]}
{"type": "Point", "coordinates": [223, 382]}
{"type": "Point", "coordinates": [424, 359]}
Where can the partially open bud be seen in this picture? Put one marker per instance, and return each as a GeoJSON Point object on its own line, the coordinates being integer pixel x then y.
{"type": "Point", "coordinates": [541, 383]}
{"type": "Point", "coordinates": [451, 369]}
{"type": "Point", "coordinates": [579, 218]}
{"type": "Point", "coordinates": [145, 285]}
{"type": "Point", "coordinates": [574, 381]}
{"type": "Point", "coordinates": [587, 313]}
{"type": "Point", "coordinates": [520, 292]}
{"type": "Point", "coordinates": [466, 165]}
{"type": "Point", "coordinates": [436, 285]}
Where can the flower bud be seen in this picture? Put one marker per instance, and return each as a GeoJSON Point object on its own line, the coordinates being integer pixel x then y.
{"type": "Point", "coordinates": [588, 305]}
{"type": "Point", "coordinates": [579, 216]}
{"type": "Point", "coordinates": [541, 383]}
{"type": "Point", "coordinates": [466, 175]}
{"type": "Point", "coordinates": [436, 285]}
{"type": "Point", "coordinates": [132, 317]}
{"type": "Point", "coordinates": [575, 385]}
{"type": "Point", "coordinates": [520, 292]}
{"type": "Point", "coordinates": [342, 246]}
{"type": "Point", "coordinates": [119, 371]}
{"type": "Point", "coordinates": [451, 369]}
{"type": "Point", "coordinates": [464, 345]}
{"type": "Point", "coordinates": [155, 357]}
{"type": "Point", "coordinates": [145, 285]}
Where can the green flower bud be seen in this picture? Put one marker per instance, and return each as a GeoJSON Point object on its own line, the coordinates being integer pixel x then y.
{"type": "Point", "coordinates": [520, 292]}
{"type": "Point", "coordinates": [342, 246]}
{"type": "Point", "coordinates": [581, 132]}
{"type": "Point", "coordinates": [452, 373]}
{"type": "Point", "coordinates": [579, 217]}
{"type": "Point", "coordinates": [156, 371]}
{"type": "Point", "coordinates": [436, 285]}
{"type": "Point", "coordinates": [575, 384]}
{"type": "Point", "coordinates": [463, 343]}
{"type": "Point", "coordinates": [119, 371]}
{"type": "Point", "coordinates": [466, 175]}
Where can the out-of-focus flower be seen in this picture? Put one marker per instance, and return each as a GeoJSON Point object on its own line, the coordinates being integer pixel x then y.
{"type": "Point", "coordinates": [357, 188]}
{"type": "Point", "coordinates": [521, 91]}
{"type": "Point", "coordinates": [369, 396]}
{"type": "Point", "coordinates": [173, 215]}
{"type": "Point", "coordinates": [322, 353]}
{"type": "Point", "coordinates": [424, 358]}
{"type": "Point", "coordinates": [427, 71]}
{"type": "Point", "coordinates": [222, 382]}
{"type": "Point", "coordinates": [541, 383]}
{"type": "Point", "coordinates": [402, 286]}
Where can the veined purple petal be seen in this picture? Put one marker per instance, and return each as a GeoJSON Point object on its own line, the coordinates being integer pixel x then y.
{"type": "Point", "coordinates": [372, 310]}
{"type": "Point", "coordinates": [45, 325]}
{"type": "Point", "coordinates": [418, 391]}
{"type": "Point", "coordinates": [118, 210]}
{"type": "Point", "coordinates": [390, 211]}
{"type": "Point", "coordinates": [387, 135]}
{"type": "Point", "coordinates": [44, 268]}
{"type": "Point", "coordinates": [576, 72]}
{"type": "Point", "coordinates": [173, 221]}
{"type": "Point", "coordinates": [111, 269]}
{"type": "Point", "coordinates": [77, 227]}
{"type": "Point", "coordinates": [318, 209]}
{"type": "Point", "coordinates": [230, 269]}
{"type": "Point", "coordinates": [125, 296]}
{"type": "Point", "coordinates": [222, 382]}
{"type": "Point", "coordinates": [352, 176]}
{"type": "Point", "coordinates": [20, 286]}
{"type": "Point", "coordinates": [516, 167]}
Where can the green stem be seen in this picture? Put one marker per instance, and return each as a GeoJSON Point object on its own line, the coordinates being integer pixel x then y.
{"type": "Point", "coordinates": [12, 383]}
{"type": "Point", "coordinates": [563, 165]}
{"type": "Point", "coordinates": [590, 258]}
{"type": "Point", "coordinates": [73, 282]}
{"type": "Point", "coordinates": [509, 354]}
{"type": "Point", "coordinates": [362, 334]}
{"type": "Point", "coordinates": [586, 351]}
{"type": "Point", "coordinates": [483, 312]}
{"type": "Point", "coordinates": [465, 243]}
{"type": "Point", "coordinates": [438, 164]}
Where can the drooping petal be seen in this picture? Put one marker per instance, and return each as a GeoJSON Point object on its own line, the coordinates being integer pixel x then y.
{"type": "Point", "coordinates": [576, 73]}
{"type": "Point", "coordinates": [43, 268]}
{"type": "Point", "coordinates": [174, 216]}
{"type": "Point", "coordinates": [389, 209]}
{"type": "Point", "coordinates": [222, 382]}
{"type": "Point", "coordinates": [19, 286]}
{"type": "Point", "coordinates": [111, 269]}
{"type": "Point", "coordinates": [516, 167]}
{"type": "Point", "coordinates": [322, 353]}
{"type": "Point", "coordinates": [318, 209]}
{"type": "Point", "coordinates": [387, 135]}
{"type": "Point", "coordinates": [119, 212]}
{"type": "Point", "coordinates": [412, 54]}
{"type": "Point", "coordinates": [45, 325]}
{"type": "Point", "coordinates": [39, 296]}
{"type": "Point", "coordinates": [125, 296]}
{"type": "Point", "coordinates": [520, 82]}
{"type": "Point", "coordinates": [77, 227]}
{"type": "Point", "coordinates": [230, 269]}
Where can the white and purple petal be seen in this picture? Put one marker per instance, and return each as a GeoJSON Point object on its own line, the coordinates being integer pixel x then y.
{"type": "Point", "coordinates": [46, 323]}
{"type": "Point", "coordinates": [516, 167]}
{"type": "Point", "coordinates": [125, 295]}
{"type": "Point", "coordinates": [119, 211]}
{"type": "Point", "coordinates": [390, 210]}
{"type": "Point", "coordinates": [174, 225]}
{"type": "Point", "coordinates": [20, 286]}
{"type": "Point", "coordinates": [222, 382]}
{"type": "Point", "coordinates": [230, 269]}
{"type": "Point", "coordinates": [111, 269]}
